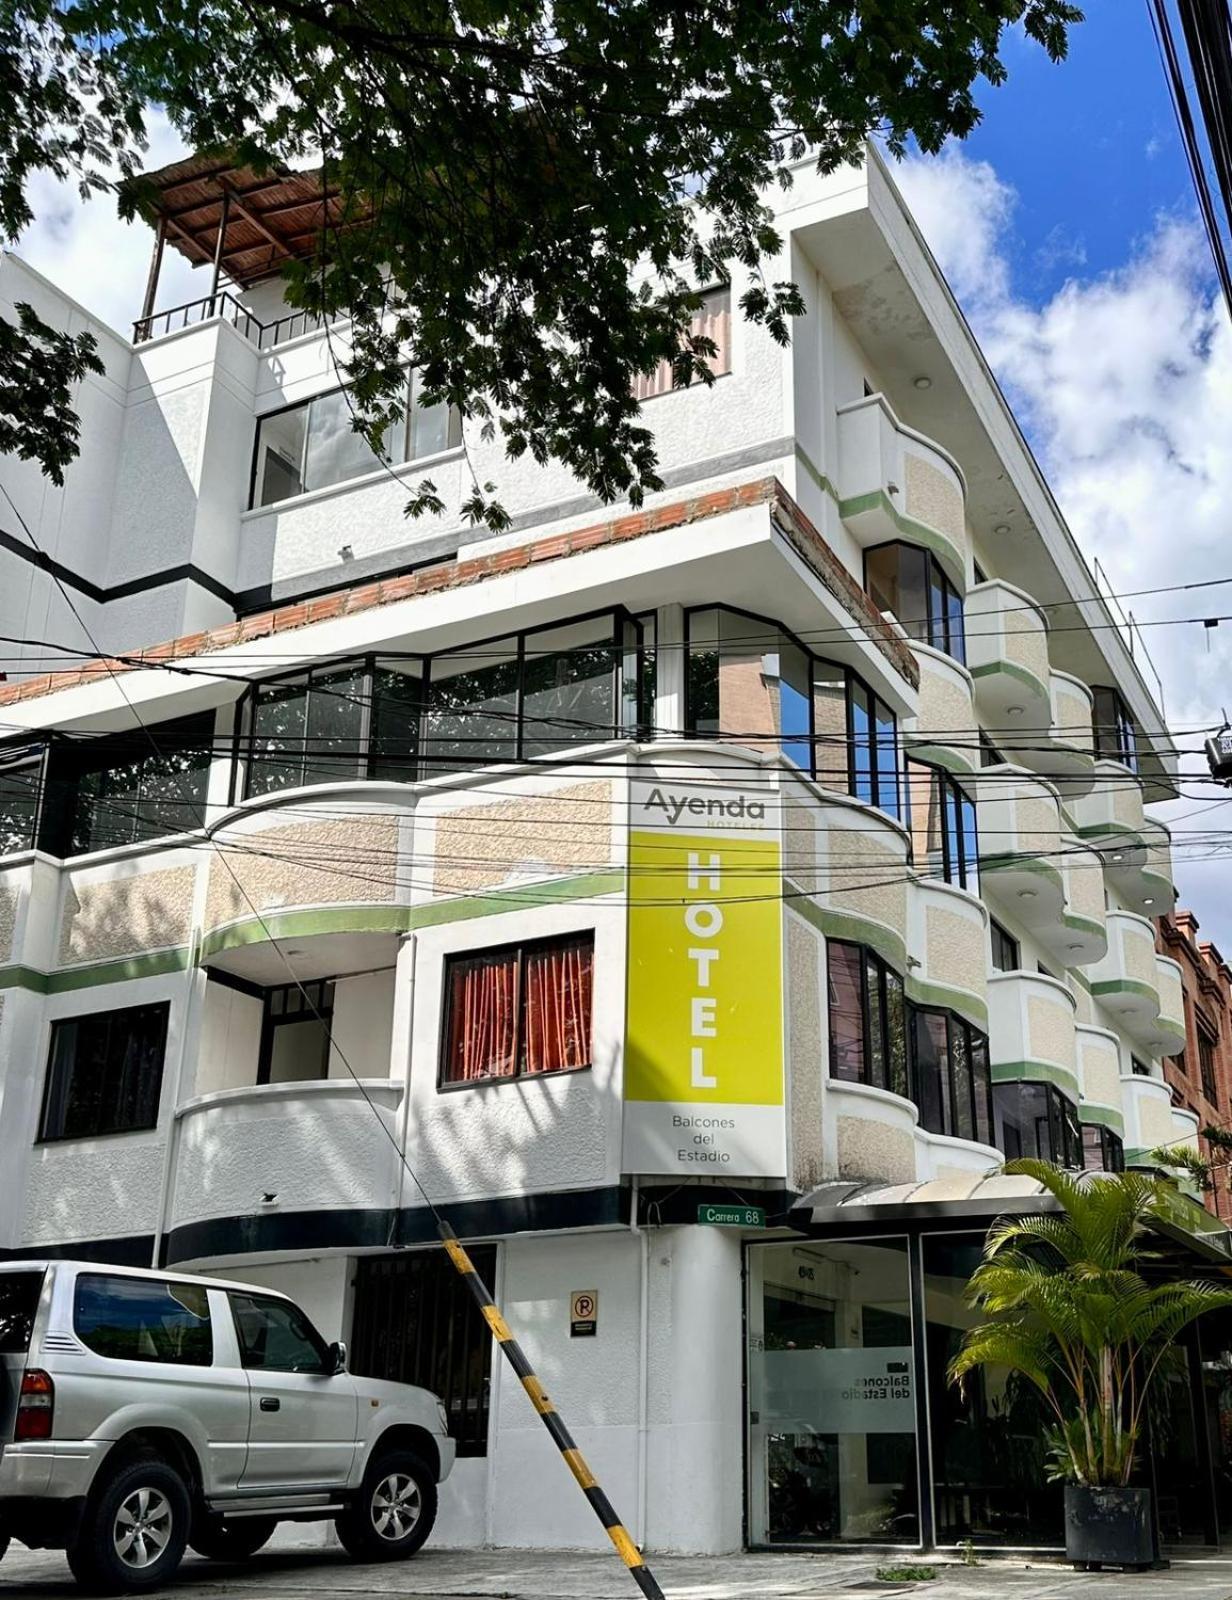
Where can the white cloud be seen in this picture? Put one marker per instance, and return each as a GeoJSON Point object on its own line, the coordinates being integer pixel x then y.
{"type": "Point", "coordinates": [1123, 382]}
{"type": "Point", "coordinates": [84, 248]}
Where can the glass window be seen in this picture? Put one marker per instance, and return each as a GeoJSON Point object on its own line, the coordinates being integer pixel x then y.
{"type": "Point", "coordinates": [989, 1446]}
{"type": "Point", "coordinates": [1102, 1150]}
{"type": "Point", "coordinates": [831, 1394]}
{"type": "Point", "coordinates": [1206, 1065]}
{"type": "Point", "coordinates": [105, 1073]}
{"type": "Point", "coordinates": [140, 1319]}
{"type": "Point", "coordinates": [1006, 956]}
{"type": "Point", "coordinates": [867, 1019]}
{"type": "Point", "coordinates": [518, 1011]}
{"type": "Point", "coordinates": [122, 788]}
{"type": "Point", "coordinates": [314, 445]}
{"type": "Point", "coordinates": [472, 707]}
{"type": "Point", "coordinates": [276, 1336]}
{"type": "Point", "coordinates": [830, 734]}
{"type": "Point", "coordinates": [21, 773]}
{"type": "Point", "coordinates": [19, 1298]}
{"type": "Point", "coordinates": [295, 1032]}
{"type": "Point", "coordinates": [397, 702]}
{"type": "Point", "coordinates": [1139, 1068]}
{"type": "Point", "coordinates": [1116, 733]}
{"type": "Point", "coordinates": [307, 730]}
{"type": "Point", "coordinates": [1036, 1119]}
{"type": "Point", "coordinates": [944, 834]}
{"type": "Point", "coordinates": [569, 686]}
{"type": "Point", "coordinates": [846, 990]}
{"type": "Point", "coordinates": [951, 1075]}
{"type": "Point", "coordinates": [911, 584]}
{"type": "Point", "coordinates": [415, 1322]}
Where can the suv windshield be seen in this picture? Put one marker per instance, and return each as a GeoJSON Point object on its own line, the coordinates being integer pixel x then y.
{"type": "Point", "coordinates": [19, 1298]}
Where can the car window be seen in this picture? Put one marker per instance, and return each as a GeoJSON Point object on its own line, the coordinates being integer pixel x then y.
{"type": "Point", "coordinates": [19, 1298]}
{"type": "Point", "coordinates": [276, 1336]}
{"type": "Point", "coordinates": [143, 1319]}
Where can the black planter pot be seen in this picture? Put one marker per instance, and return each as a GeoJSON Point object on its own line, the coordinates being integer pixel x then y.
{"type": "Point", "coordinates": [1107, 1527]}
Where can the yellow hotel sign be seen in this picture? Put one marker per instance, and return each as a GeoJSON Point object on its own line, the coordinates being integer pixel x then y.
{"type": "Point", "coordinates": [704, 1026]}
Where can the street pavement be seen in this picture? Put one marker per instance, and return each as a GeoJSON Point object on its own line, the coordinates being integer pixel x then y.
{"type": "Point", "coordinates": [299, 1573]}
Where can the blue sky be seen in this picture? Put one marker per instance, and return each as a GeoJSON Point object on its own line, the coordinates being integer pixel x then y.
{"type": "Point", "coordinates": [1090, 145]}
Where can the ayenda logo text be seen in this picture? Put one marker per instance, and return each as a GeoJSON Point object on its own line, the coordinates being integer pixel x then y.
{"type": "Point", "coordinates": [675, 806]}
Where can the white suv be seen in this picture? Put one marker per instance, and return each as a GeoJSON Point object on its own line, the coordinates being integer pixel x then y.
{"type": "Point", "coordinates": [143, 1411]}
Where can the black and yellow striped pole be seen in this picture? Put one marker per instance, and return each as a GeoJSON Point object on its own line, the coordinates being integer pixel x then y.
{"type": "Point", "coordinates": [574, 1460]}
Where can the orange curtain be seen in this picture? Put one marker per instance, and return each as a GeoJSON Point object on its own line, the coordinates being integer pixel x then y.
{"type": "Point", "coordinates": [483, 1008]}
{"type": "Point", "coordinates": [556, 1033]}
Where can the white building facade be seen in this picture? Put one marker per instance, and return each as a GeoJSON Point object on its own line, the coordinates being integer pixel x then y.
{"type": "Point", "coordinates": [694, 905]}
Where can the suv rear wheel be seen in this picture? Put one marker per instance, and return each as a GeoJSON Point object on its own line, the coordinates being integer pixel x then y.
{"type": "Point", "coordinates": [393, 1512]}
{"type": "Point", "coordinates": [134, 1530]}
{"type": "Point", "coordinates": [231, 1541]}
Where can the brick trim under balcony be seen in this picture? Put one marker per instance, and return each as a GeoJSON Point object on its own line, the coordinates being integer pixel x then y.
{"type": "Point", "coordinates": [786, 515]}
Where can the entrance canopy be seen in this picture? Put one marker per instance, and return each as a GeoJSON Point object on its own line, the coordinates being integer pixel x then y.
{"type": "Point", "coordinates": [846, 1206]}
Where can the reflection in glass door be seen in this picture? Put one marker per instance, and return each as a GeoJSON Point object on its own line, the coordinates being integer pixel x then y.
{"type": "Point", "coordinates": [832, 1450]}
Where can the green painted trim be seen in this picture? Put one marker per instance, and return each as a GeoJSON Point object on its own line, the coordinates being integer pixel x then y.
{"type": "Point", "coordinates": [1037, 1072]}
{"type": "Point", "coordinates": [854, 929]}
{"type": "Point", "coordinates": [1021, 863]}
{"type": "Point", "coordinates": [401, 919]}
{"type": "Point", "coordinates": [1106, 1116]}
{"type": "Point", "coordinates": [946, 998]}
{"type": "Point", "coordinates": [1077, 972]}
{"type": "Point", "coordinates": [1079, 924]}
{"type": "Point", "coordinates": [939, 756]}
{"type": "Point", "coordinates": [555, 891]}
{"type": "Point", "coordinates": [813, 471]}
{"type": "Point", "coordinates": [1114, 830]}
{"type": "Point", "coordinates": [1144, 991]}
{"type": "Point", "coordinates": [1167, 887]}
{"type": "Point", "coordinates": [917, 532]}
{"type": "Point", "coordinates": [67, 979]}
{"type": "Point", "coordinates": [1024, 675]}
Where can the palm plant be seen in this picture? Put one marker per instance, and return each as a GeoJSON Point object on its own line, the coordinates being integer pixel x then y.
{"type": "Point", "coordinates": [1066, 1305]}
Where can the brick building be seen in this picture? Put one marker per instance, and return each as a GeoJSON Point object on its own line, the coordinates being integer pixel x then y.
{"type": "Point", "coordinates": [1201, 1076]}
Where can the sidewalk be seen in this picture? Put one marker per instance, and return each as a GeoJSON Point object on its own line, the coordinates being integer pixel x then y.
{"type": "Point", "coordinates": [296, 1573]}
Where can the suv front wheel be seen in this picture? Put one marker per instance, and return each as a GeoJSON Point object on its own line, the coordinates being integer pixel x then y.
{"type": "Point", "coordinates": [134, 1530]}
{"type": "Point", "coordinates": [393, 1512]}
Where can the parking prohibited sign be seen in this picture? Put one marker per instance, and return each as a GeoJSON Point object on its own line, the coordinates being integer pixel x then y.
{"type": "Point", "coordinates": [583, 1313]}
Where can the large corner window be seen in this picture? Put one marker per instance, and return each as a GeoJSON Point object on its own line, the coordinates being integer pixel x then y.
{"type": "Point", "coordinates": [399, 719]}
{"type": "Point", "coordinates": [415, 1322]}
{"type": "Point", "coordinates": [1116, 732]}
{"type": "Point", "coordinates": [1102, 1150]}
{"type": "Point", "coordinates": [868, 1019]}
{"type": "Point", "coordinates": [1036, 1119]}
{"type": "Point", "coordinates": [910, 584]}
{"type": "Point", "coordinates": [752, 683]}
{"type": "Point", "coordinates": [949, 1061]}
{"type": "Point", "coordinates": [104, 1073]}
{"type": "Point", "coordinates": [519, 1011]}
{"type": "Point", "coordinates": [314, 445]}
{"type": "Point", "coordinates": [712, 320]}
{"type": "Point", "coordinates": [944, 837]}
{"type": "Point", "coordinates": [21, 787]}
{"type": "Point", "coordinates": [124, 788]}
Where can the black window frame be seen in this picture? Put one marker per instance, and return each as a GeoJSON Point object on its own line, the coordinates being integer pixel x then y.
{"type": "Point", "coordinates": [453, 444]}
{"type": "Point", "coordinates": [878, 983]}
{"type": "Point", "coordinates": [520, 948]}
{"type": "Point", "coordinates": [943, 629]}
{"type": "Point", "coordinates": [958, 866]}
{"type": "Point", "coordinates": [1116, 731]}
{"type": "Point", "coordinates": [1001, 942]}
{"type": "Point", "coordinates": [56, 1099]}
{"type": "Point", "coordinates": [442, 1337]}
{"type": "Point", "coordinates": [963, 1040]}
{"type": "Point", "coordinates": [1138, 1067]}
{"type": "Point", "coordinates": [324, 1367]}
{"type": "Point", "coordinates": [1065, 1144]}
{"type": "Point", "coordinates": [879, 713]}
{"type": "Point", "coordinates": [316, 1004]}
{"type": "Point", "coordinates": [1208, 1044]}
{"type": "Point", "coordinates": [423, 763]}
{"type": "Point", "coordinates": [1109, 1148]}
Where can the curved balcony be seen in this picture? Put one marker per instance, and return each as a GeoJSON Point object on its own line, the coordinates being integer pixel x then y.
{"type": "Point", "coordinates": [1170, 1023]}
{"type": "Point", "coordinates": [312, 1146]}
{"type": "Point", "coordinates": [1126, 981]}
{"type": "Point", "coordinates": [945, 732]}
{"type": "Point", "coordinates": [1082, 935]}
{"type": "Point", "coordinates": [1007, 652]}
{"type": "Point", "coordinates": [1032, 1031]}
{"type": "Point", "coordinates": [852, 860]}
{"type": "Point", "coordinates": [1019, 820]}
{"type": "Point", "coordinates": [1064, 755]}
{"type": "Point", "coordinates": [1099, 1077]}
{"type": "Point", "coordinates": [894, 483]}
{"type": "Point", "coordinates": [1144, 878]}
{"type": "Point", "coordinates": [948, 938]}
{"type": "Point", "coordinates": [1149, 1117]}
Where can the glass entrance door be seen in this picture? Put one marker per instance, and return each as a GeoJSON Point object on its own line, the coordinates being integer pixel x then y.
{"type": "Point", "coordinates": [832, 1446]}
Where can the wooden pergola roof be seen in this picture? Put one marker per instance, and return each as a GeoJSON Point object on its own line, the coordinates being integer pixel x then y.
{"type": "Point", "coordinates": [266, 219]}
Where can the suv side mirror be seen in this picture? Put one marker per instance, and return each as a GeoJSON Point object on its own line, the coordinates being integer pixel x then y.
{"type": "Point", "coordinates": [338, 1355]}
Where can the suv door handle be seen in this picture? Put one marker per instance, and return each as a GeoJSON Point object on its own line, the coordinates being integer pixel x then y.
{"type": "Point", "coordinates": [270, 1402]}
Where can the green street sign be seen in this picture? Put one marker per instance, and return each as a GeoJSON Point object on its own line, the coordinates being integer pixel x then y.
{"type": "Point", "coordinates": [733, 1216]}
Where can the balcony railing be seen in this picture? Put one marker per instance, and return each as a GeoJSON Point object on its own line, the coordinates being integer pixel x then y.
{"type": "Point", "coordinates": [224, 305]}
